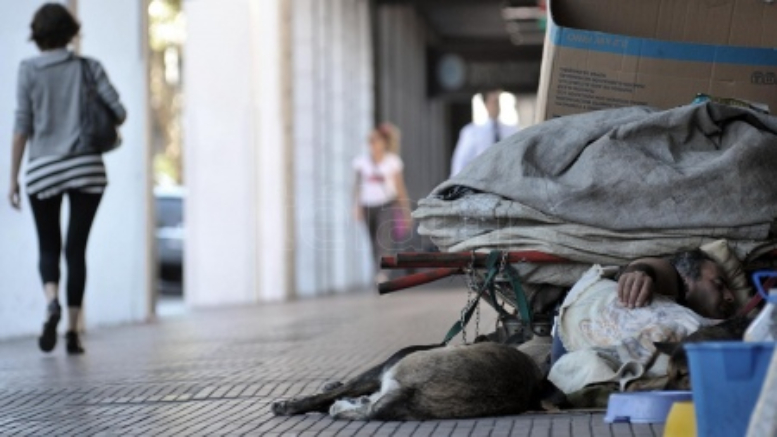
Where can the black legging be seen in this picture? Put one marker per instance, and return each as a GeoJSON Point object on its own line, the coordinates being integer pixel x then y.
{"type": "Point", "coordinates": [379, 223]}
{"type": "Point", "coordinates": [83, 207]}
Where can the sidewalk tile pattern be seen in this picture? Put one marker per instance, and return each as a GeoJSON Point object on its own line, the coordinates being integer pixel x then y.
{"type": "Point", "coordinates": [215, 373]}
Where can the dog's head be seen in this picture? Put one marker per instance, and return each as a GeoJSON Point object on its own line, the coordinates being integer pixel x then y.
{"type": "Point", "coordinates": [678, 376]}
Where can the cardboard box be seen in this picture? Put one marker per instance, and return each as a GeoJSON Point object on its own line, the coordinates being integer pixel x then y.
{"type": "Point", "coordinates": [612, 53]}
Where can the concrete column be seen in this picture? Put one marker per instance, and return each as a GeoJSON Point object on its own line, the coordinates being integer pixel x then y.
{"type": "Point", "coordinates": [272, 100]}
{"type": "Point", "coordinates": [278, 103]}
{"type": "Point", "coordinates": [333, 112]}
{"type": "Point", "coordinates": [121, 265]}
{"type": "Point", "coordinates": [237, 240]}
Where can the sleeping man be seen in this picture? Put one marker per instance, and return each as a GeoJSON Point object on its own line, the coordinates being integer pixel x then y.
{"type": "Point", "coordinates": [692, 278]}
{"type": "Point", "coordinates": [609, 326]}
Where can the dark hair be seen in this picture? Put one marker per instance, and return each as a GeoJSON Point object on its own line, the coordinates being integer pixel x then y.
{"type": "Point", "coordinates": [688, 264]}
{"type": "Point", "coordinates": [53, 26]}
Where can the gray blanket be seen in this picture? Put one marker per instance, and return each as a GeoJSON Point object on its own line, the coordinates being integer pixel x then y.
{"type": "Point", "coordinates": [610, 186]}
{"type": "Point", "coordinates": [637, 169]}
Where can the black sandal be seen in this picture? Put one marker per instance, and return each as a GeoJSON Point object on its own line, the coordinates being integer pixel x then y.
{"type": "Point", "coordinates": [73, 343]}
{"type": "Point", "coordinates": [48, 339]}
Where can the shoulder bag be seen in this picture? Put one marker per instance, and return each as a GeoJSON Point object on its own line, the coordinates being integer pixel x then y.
{"type": "Point", "coordinates": [99, 127]}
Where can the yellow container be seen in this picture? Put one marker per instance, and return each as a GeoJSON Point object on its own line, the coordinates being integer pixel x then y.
{"type": "Point", "coordinates": [681, 421]}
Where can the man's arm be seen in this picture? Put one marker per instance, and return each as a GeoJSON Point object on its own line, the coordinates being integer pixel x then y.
{"type": "Point", "coordinates": [643, 278]}
{"type": "Point", "coordinates": [464, 151]}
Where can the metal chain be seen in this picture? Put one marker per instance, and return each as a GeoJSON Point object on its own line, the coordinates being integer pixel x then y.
{"type": "Point", "coordinates": [462, 319]}
{"type": "Point", "coordinates": [471, 276]}
{"type": "Point", "coordinates": [477, 298]}
{"type": "Point", "coordinates": [477, 318]}
{"type": "Point", "coordinates": [502, 266]}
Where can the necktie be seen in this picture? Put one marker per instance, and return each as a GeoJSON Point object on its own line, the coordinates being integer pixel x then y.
{"type": "Point", "coordinates": [497, 137]}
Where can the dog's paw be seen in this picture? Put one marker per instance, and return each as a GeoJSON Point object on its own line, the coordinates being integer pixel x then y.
{"type": "Point", "coordinates": [281, 408]}
{"type": "Point", "coordinates": [351, 409]}
{"type": "Point", "coordinates": [329, 386]}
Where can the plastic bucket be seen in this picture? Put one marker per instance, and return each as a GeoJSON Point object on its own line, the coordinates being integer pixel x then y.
{"type": "Point", "coordinates": [726, 378]}
{"type": "Point", "coordinates": [643, 407]}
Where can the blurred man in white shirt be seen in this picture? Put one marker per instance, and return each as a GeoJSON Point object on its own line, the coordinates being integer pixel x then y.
{"type": "Point", "coordinates": [474, 139]}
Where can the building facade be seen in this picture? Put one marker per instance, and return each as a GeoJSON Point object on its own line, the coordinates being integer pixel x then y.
{"type": "Point", "coordinates": [279, 96]}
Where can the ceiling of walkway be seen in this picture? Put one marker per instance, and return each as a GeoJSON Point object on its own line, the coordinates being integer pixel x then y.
{"type": "Point", "coordinates": [482, 22]}
{"type": "Point", "coordinates": [494, 44]}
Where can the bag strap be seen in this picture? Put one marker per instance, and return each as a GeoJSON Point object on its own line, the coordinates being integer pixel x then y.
{"type": "Point", "coordinates": [461, 323]}
{"type": "Point", "coordinates": [520, 296]}
{"type": "Point", "coordinates": [88, 75]}
{"type": "Point", "coordinates": [90, 81]}
{"type": "Point", "coordinates": [494, 266]}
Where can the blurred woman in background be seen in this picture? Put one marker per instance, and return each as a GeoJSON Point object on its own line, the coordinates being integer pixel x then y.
{"type": "Point", "coordinates": [380, 195]}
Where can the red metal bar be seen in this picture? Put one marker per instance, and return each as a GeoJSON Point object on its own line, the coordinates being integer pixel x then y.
{"type": "Point", "coordinates": [416, 279]}
{"type": "Point", "coordinates": [533, 256]}
{"type": "Point", "coordinates": [450, 263]}
{"type": "Point", "coordinates": [388, 262]}
{"type": "Point", "coordinates": [462, 259]}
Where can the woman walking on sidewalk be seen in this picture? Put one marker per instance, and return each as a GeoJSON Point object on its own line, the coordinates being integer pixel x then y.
{"type": "Point", "coordinates": [380, 196]}
{"type": "Point", "coordinates": [48, 116]}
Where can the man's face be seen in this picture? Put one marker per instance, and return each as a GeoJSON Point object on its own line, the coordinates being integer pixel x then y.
{"type": "Point", "coordinates": [492, 104]}
{"type": "Point", "coordinates": [710, 295]}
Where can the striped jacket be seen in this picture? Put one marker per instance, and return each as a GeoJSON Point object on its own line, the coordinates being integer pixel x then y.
{"type": "Point", "coordinates": [48, 112]}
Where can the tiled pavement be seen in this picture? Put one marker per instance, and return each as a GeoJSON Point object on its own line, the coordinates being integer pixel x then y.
{"type": "Point", "coordinates": [215, 372]}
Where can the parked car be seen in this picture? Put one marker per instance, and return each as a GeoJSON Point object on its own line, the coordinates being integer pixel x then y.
{"type": "Point", "coordinates": [170, 237]}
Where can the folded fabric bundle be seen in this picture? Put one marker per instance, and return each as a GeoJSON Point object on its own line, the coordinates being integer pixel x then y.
{"type": "Point", "coordinates": [609, 186]}
{"type": "Point", "coordinates": [702, 166]}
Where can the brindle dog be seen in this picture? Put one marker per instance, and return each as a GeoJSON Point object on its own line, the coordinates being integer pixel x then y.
{"type": "Point", "coordinates": [433, 382]}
